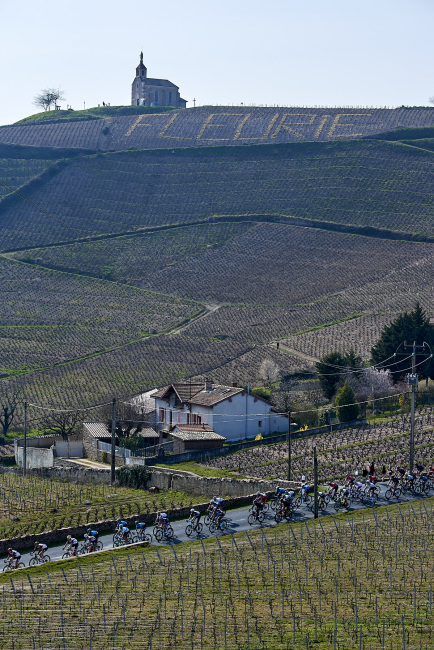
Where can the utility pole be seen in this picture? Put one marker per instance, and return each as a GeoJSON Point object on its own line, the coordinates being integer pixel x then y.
{"type": "Point", "coordinates": [113, 450]}
{"type": "Point", "coordinates": [315, 484]}
{"type": "Point", "coordinates": [413, 380]}
{"type": "Point", "coordinates": [25, 441]}
{"type": "Point", "coordinates": [289, 445]}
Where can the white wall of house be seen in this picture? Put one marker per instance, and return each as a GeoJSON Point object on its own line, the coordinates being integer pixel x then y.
{"type": "Point", "coordinates": [243, 416]}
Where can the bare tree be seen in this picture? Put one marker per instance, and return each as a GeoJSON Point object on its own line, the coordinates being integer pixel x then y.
{"type": "Point", "coordinates": [9, 400]}
{"type": "Point", "coordinates": [284, 397]}
{"type": "Point", "coordinates": [48, 97]}
{"type": "Point", "coordinates": [431, 100]}
{"type": "Point", "coordinates": [269, 371]}
{"type": "Point", "coordinates": [63, 423]}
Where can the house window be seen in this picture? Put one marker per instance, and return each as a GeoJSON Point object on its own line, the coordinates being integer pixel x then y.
{"type": "Point", "coordinates": [197, 419]}
{"type": "Point", "coordinates": [161, 416]}
{"type": "Point", "coordinates": [188, 418]}
{"type": "Point", "coordinates": [156, 96]}
{"type": "Point", "coordinates": [170, 417]}
{"type": "Point", "coordinates": [259, 423]}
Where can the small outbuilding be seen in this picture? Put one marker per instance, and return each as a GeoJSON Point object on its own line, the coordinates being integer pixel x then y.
{"type": "Point", "coordinates": [194, 437]}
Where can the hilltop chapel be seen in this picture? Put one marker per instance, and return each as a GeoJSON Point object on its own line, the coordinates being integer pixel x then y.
{"type": "Point", "coordinates": [154, 92]}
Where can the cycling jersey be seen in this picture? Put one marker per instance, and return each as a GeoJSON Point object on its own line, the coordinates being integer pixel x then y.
{"type": "Point", "coordinates": [125, 530]}
{"type": "Point", "coordinates": [140, 524]}
{"type": "Point", "coordinates": [15, 554]}
{"type": "Point", "coordinates": [42, 547]}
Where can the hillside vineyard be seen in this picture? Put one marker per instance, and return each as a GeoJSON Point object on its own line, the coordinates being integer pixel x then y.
{"type": "Point", "coordinates": [216, 125]}
{"type": "Point", "coordinates": [141, 249]}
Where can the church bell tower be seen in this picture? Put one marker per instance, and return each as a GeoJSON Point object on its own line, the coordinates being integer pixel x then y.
{"type": "Point", "coordinates": [141, 71]}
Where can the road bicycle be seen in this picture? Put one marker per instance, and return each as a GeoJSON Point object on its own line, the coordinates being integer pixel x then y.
{"type": "Point", "coordinates": [86, 547]}
{"type": "Point", "coordinates": [323, 500]}
{"type": "Point", "coordinates": [255, 516]}
{"type": "Point", "coordinates": [141, 536]}
{"type": "Point", "coordinates": [160, 532]}
{"type": "Point", "coordinates": [35, 559]}
{"type": "Point", "coordinates": [284, 513]}
{"type": "Point", "coordinates": [393, 492]}
{"type": "Point", "coordinates": [120, 540]}
{"type": "Point", "coordinates": [194, 528]}
{"type": "Point", "coordinates": [222, 524]}
{"type": "Point", "coordinates": [10, 567]}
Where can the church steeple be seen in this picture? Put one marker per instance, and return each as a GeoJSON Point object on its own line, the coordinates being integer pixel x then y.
{"type": "Point", "coordinates": [141, 69]}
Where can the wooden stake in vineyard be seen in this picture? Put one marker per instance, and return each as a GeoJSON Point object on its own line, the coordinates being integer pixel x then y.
{"type": "Point", "coordinates": [289, 445]}
{"type": "Point", "coordinates": [315, 484]}
{"type": "Point", "coordinates": [25, 441]}
{"type": "Point", "coordinates": [113, 450]}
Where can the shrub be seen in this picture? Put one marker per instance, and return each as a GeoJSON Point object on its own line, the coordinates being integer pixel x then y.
{"type": "Point", "coordinates": [346, 410]}
{"type": "Point", "coordinates": [134, 477]}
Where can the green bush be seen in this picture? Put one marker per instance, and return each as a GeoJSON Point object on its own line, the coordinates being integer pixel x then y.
{"type": "Point", "coordinates": [104, 457]}
{"type": "Point", "coordinates": [346, 409]}
{"type": "Point", "coordinates": [134, 477]}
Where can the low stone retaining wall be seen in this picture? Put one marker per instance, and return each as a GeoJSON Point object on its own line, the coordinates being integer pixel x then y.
{"type": "Point", "coordinates": [59, 535]}
{"type": "Point", "coordinates": [172, 479]}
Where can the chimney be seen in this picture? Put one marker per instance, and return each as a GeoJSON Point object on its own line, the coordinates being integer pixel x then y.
{"type": "Point", "coordinates": [234, 384]}
{"type": "Point", "coordinates": [208, 384]}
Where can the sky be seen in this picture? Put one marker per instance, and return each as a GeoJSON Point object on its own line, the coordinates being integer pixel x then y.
{"type": "Point", "coordinates": [273, 52]}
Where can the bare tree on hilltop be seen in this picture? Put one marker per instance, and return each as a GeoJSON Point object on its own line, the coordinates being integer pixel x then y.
{"type": "Point", "coordinates": [48, 97]}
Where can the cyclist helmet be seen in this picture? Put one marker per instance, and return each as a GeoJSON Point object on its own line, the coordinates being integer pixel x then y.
{"type": "Point", "coordinates": [9, 549]}
{"type": "Point", "coordinates": [69, 537]}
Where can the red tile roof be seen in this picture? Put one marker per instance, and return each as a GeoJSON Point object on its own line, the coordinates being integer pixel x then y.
{"type": "Point", "coordinates": [196, 393]}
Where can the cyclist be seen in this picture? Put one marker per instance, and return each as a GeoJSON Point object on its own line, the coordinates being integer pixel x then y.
{"type": "Point", "coordinates": [13, 558]}
{"type": "Point", "coordinates": [218, 515]}
{"type": "Point", "coordinates": [40, 549]}
{"type": "Point", "coordinates": [370, 488]}
{"type": "Point", "coordinates": [305, 489]}
{"type": "Point", "coordinates": [120, 524]}
{"type": "Point", "coordinates": [287, 501]}
{"type": "Point", "coordinates": [93, 533]}
{"type": "Point", "coordinates": [72, 544]}
{"type": "Point", "coordinates": [333, 488]}
{"type": "Point", "coordinates": [258, 503]}
{"type": "Point", "coordinates": [279, 492]}
{"type": "Point", "coordinates": [162, 520]}
{"type": "Point", "coordinates": [91, 542]}
{"type": "Point", "coordinates": [124, 531]}
{"type": "Point", "coordinates": [194, 517]}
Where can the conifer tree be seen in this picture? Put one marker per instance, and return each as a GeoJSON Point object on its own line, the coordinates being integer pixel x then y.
{"type": "Point", "coordinates": [409, 327]}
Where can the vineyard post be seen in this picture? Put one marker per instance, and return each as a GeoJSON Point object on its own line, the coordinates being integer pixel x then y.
{"type": "Point", "coordinates": [25, 440]}
{"type": "Point", "coordinates": [289, 445]}
{"type": "Point", "coordinates": [315, 484]}
{"type": "Point", "coordinates": [112, 472]}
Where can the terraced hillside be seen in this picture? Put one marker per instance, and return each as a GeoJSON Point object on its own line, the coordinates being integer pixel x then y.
{"type": "Point", "coordinates": [122, 271]}
{"type": "Point", "coordinates": [369, 187]}
{"type": "Point", "coordinates": [215, 125]}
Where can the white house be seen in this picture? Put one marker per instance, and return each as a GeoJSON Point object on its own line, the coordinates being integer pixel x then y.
{"type": "Point", "coordinates": [229, 411]}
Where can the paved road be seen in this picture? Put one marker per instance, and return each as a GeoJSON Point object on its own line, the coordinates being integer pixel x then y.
{"type": "Point", "coordinates": [237, 523]}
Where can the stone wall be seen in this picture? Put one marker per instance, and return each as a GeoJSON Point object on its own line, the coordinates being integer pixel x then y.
{"type": "Point", "coordinates": [168, 479]}
{"type": "Point", "coordinates": [36, 458]}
